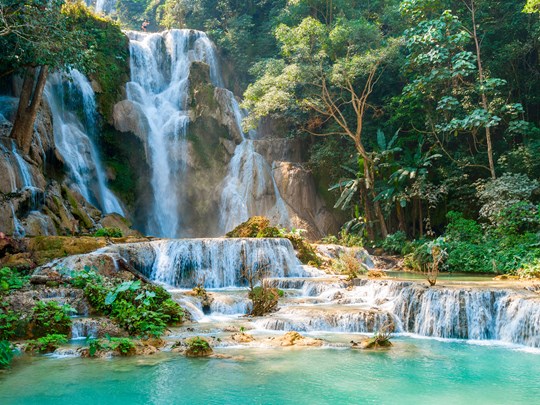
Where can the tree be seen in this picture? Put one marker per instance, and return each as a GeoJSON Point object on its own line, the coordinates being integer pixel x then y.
{"type": "Point", "coordinates": [532, 6]}
{"type": "Point", "coordinates": [327, 73]}
{"type": "Point", "coordinates": [36, 37]}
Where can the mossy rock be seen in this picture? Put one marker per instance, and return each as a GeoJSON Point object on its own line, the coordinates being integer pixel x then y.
{"type": "Point", "coordinates": [255, 227]}
{"type": "Point", "coordinates": [47, 248]}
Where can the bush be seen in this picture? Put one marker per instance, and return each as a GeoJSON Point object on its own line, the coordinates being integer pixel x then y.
{"type": "Point", "coordinates": [198, 347]}
{"type": "Point", "coordinates": [8, 322]}
{"type": "Point", "coordinates": [46, 344]}
{"type": "Point", "coordinates": [395, 243]}
{"type": "Point", "coordinates": [109, 232]}
{"type": "Point", "coordinates": [530, 270]}
{"type": "Point", "coordinates": [124, 346]}
{"type": "Point", "coordinates": [142, 310]}
{"type": "Point", "coordinates": [6, 354]}
{"type": "Point", "coordinates": [50, 318]}
{"type": "Point", "coordinates": [264, 300]}
{"type": "Point", "coordinates": [348, 264]}
{"type": "Point", "coordinates": [11, 280]}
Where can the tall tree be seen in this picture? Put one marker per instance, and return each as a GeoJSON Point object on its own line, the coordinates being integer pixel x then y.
{"type": "Point", "coordinates": [328, 72]}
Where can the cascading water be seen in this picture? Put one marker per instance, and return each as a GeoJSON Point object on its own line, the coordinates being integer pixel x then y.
{"type": "Point", "coordinates": [65, 94]}
{"type": "Point", "coordinates": [159, 86]}
{"type": "Point", "coordinates": [247, 182]}
{"type": "Point", "coordinates": [102, 6]}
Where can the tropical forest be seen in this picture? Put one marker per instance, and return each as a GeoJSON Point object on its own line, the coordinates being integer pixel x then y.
{"type": "Point", "coordinates": [269, 201]}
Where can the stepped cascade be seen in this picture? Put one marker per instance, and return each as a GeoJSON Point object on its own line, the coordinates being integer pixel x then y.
{"type": "Point", "coordinates": [316, 302]}
{"type": "Point", "coordinates": [74, 137]}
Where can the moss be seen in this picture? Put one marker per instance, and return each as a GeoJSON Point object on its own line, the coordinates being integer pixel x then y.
{"type": "Point", "coordinates": [123, 154]}
{"type": "Point", "coordinates": [305, 252]}
{"type": "Point", "coordinates": [47, 248]}
{"type": "Point", "coordinates": [251, 228]}
{"type": "Point", "coordinates": [110, 65]}
{"type": "Point", "coordinates": [76, 208]}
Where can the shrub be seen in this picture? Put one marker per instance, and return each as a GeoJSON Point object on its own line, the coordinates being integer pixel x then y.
{"type": "Point", "coordinates": [8, 322]}
{"type": "Point", "coordinates": [6, 354]}
{"type": "Point", "coordinates": [124, 346]}
{"type": "Point", "coordinates": [46, 344]}
{"type": "Point", "coordinates": [395, 243]}
{"type": "Point", "coordinates": [142, 310]}
{"type": "Point", "coordinates": [264, 300]}
{"type": "Point", "coordinates": [11, 280]}
{"type": "Point", "coordinates": [198, 347]}
{"type": "Point", "coordinates": [50, 318]}
{"type": "Point", "coordinates": [109, 232]}
{"type": "Point", "coordinates": [348, 264]}
{"type": "Point", "coordinates": [530, 270]}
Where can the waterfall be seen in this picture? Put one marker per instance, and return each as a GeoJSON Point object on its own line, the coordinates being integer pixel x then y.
{"type": "Point", "coordinates": [68, 94]}
{"type": "Point", "coordinates": [26, 176]}
{"type": "Point", "coordinates": [246, 183]}
{"type": "Point", "coordinates": [18, 229]}
{"type": "Point", "coordinates": [102, 6]}
{"type": "Point", "coordinates": [159, 85]}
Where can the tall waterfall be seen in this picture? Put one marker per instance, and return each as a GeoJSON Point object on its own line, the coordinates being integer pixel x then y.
{"type": "Point", "coordinates": [159, 86]}
{"type": "Point", "coordinates": [74, 136]}
{"type": "Point", "coordinates": [247, 183]}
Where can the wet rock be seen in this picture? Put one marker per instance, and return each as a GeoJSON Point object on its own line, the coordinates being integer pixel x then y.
{"type": "Point", "coordinates": [295, 339]}
{"type": "Point", "coordinates": [242, 338]}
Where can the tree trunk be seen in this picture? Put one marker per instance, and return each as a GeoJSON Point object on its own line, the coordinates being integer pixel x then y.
{"type": "Point", "coordinates": [29, 101]}
{"type": "Point", "coordinates": [420, 218]}
{"type": "Point", "coordinates": [400, 217]}
{"type": "Point", "coordinates": [369, 217]}
{"type": "Point", "coordinates": [485, 103]}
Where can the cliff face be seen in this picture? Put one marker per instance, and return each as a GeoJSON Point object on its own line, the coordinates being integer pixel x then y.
{"type": "Point", "coordinates": [35, 196]}
{"type": "Point", "coordinates": [263, 172]}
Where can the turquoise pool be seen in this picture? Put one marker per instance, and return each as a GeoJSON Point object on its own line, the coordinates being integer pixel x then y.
{"type": "Point", "coordinates": [415, 371]}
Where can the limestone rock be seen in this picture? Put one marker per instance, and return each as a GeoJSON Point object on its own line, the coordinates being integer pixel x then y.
{"type": "Point", "coordinates": [295, 339]}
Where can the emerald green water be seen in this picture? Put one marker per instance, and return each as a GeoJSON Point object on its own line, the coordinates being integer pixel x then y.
{"type": "Point", "coordinates": [415, 371]}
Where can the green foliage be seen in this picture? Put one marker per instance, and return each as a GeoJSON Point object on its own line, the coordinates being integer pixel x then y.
{"type": "Point", "coordinates": [109, 65]}
{"type": "Point", "coordinates": [109, 232]}
{"type": "Point", "coordinates": [143, 310]}
{"type": "Point", "coordinates": [395, 243]}
{"type": "Point", "coordinates": [124, 346]}
{"type": "Point", "coordinates": [264, 299]}
{"type": "Point", "coordinates": [9, 321]}
{"type": "Point", "coordinates": [349, 265]}
{"type": "Point", "coordinates": [6, 354]}
{"type": "Point", "coordinates": [506, 191]}
{"type": "Point", "coordinates": [46, 344]}
{"type": "Point", "coordinates": [50, 318]}
{"type": "Point", "coordinates": [530, 270]}
{"type": "Point", "coordinates": [11, 280]}
{"type": "Point", "coordinates": [198, 347]}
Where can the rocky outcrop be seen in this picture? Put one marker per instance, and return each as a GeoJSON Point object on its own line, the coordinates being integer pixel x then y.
{"type": "Point", "coordinates": [307, 210]}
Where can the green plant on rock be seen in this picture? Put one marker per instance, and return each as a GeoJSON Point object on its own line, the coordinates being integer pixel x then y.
{"type": "Point", "coordinates": [50, 318]}
{"type": "Point", "coordinates": [6, 354]}
{"type": "Point", "coordinates": [46, 344]}
{"type": "Point", "coordinates": [349, 265]}
{"type": "Point", "coordinates": [124, 346]}
{"type": "Point", "coordinates": [141, 309]}
{"type": "Point", "coordinates": [109, 233]}
{"type": "Point", "coordinates": [198, 347]}
{"type": "Point", "coordinates": [530, 270]}
{"type": "Point", "coordinates": [11, 280]}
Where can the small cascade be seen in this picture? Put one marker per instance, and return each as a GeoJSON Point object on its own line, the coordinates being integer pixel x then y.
{"type": "Point", "coordinates": [74, 137]}
{"type": "Point", "coordinates": [26, 176]}
{"type": "Point", "coordinates": [160, 65]}
{"type": "Point", "coordinates": [18, 229]}
{"type": "Point", "coordinates": [83, 328]}
{"type": "Point", "coordinates": [246, 186]}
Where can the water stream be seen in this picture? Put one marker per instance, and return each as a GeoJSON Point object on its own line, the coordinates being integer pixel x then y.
{"type": "Point", "coordinates": [73, 106]}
